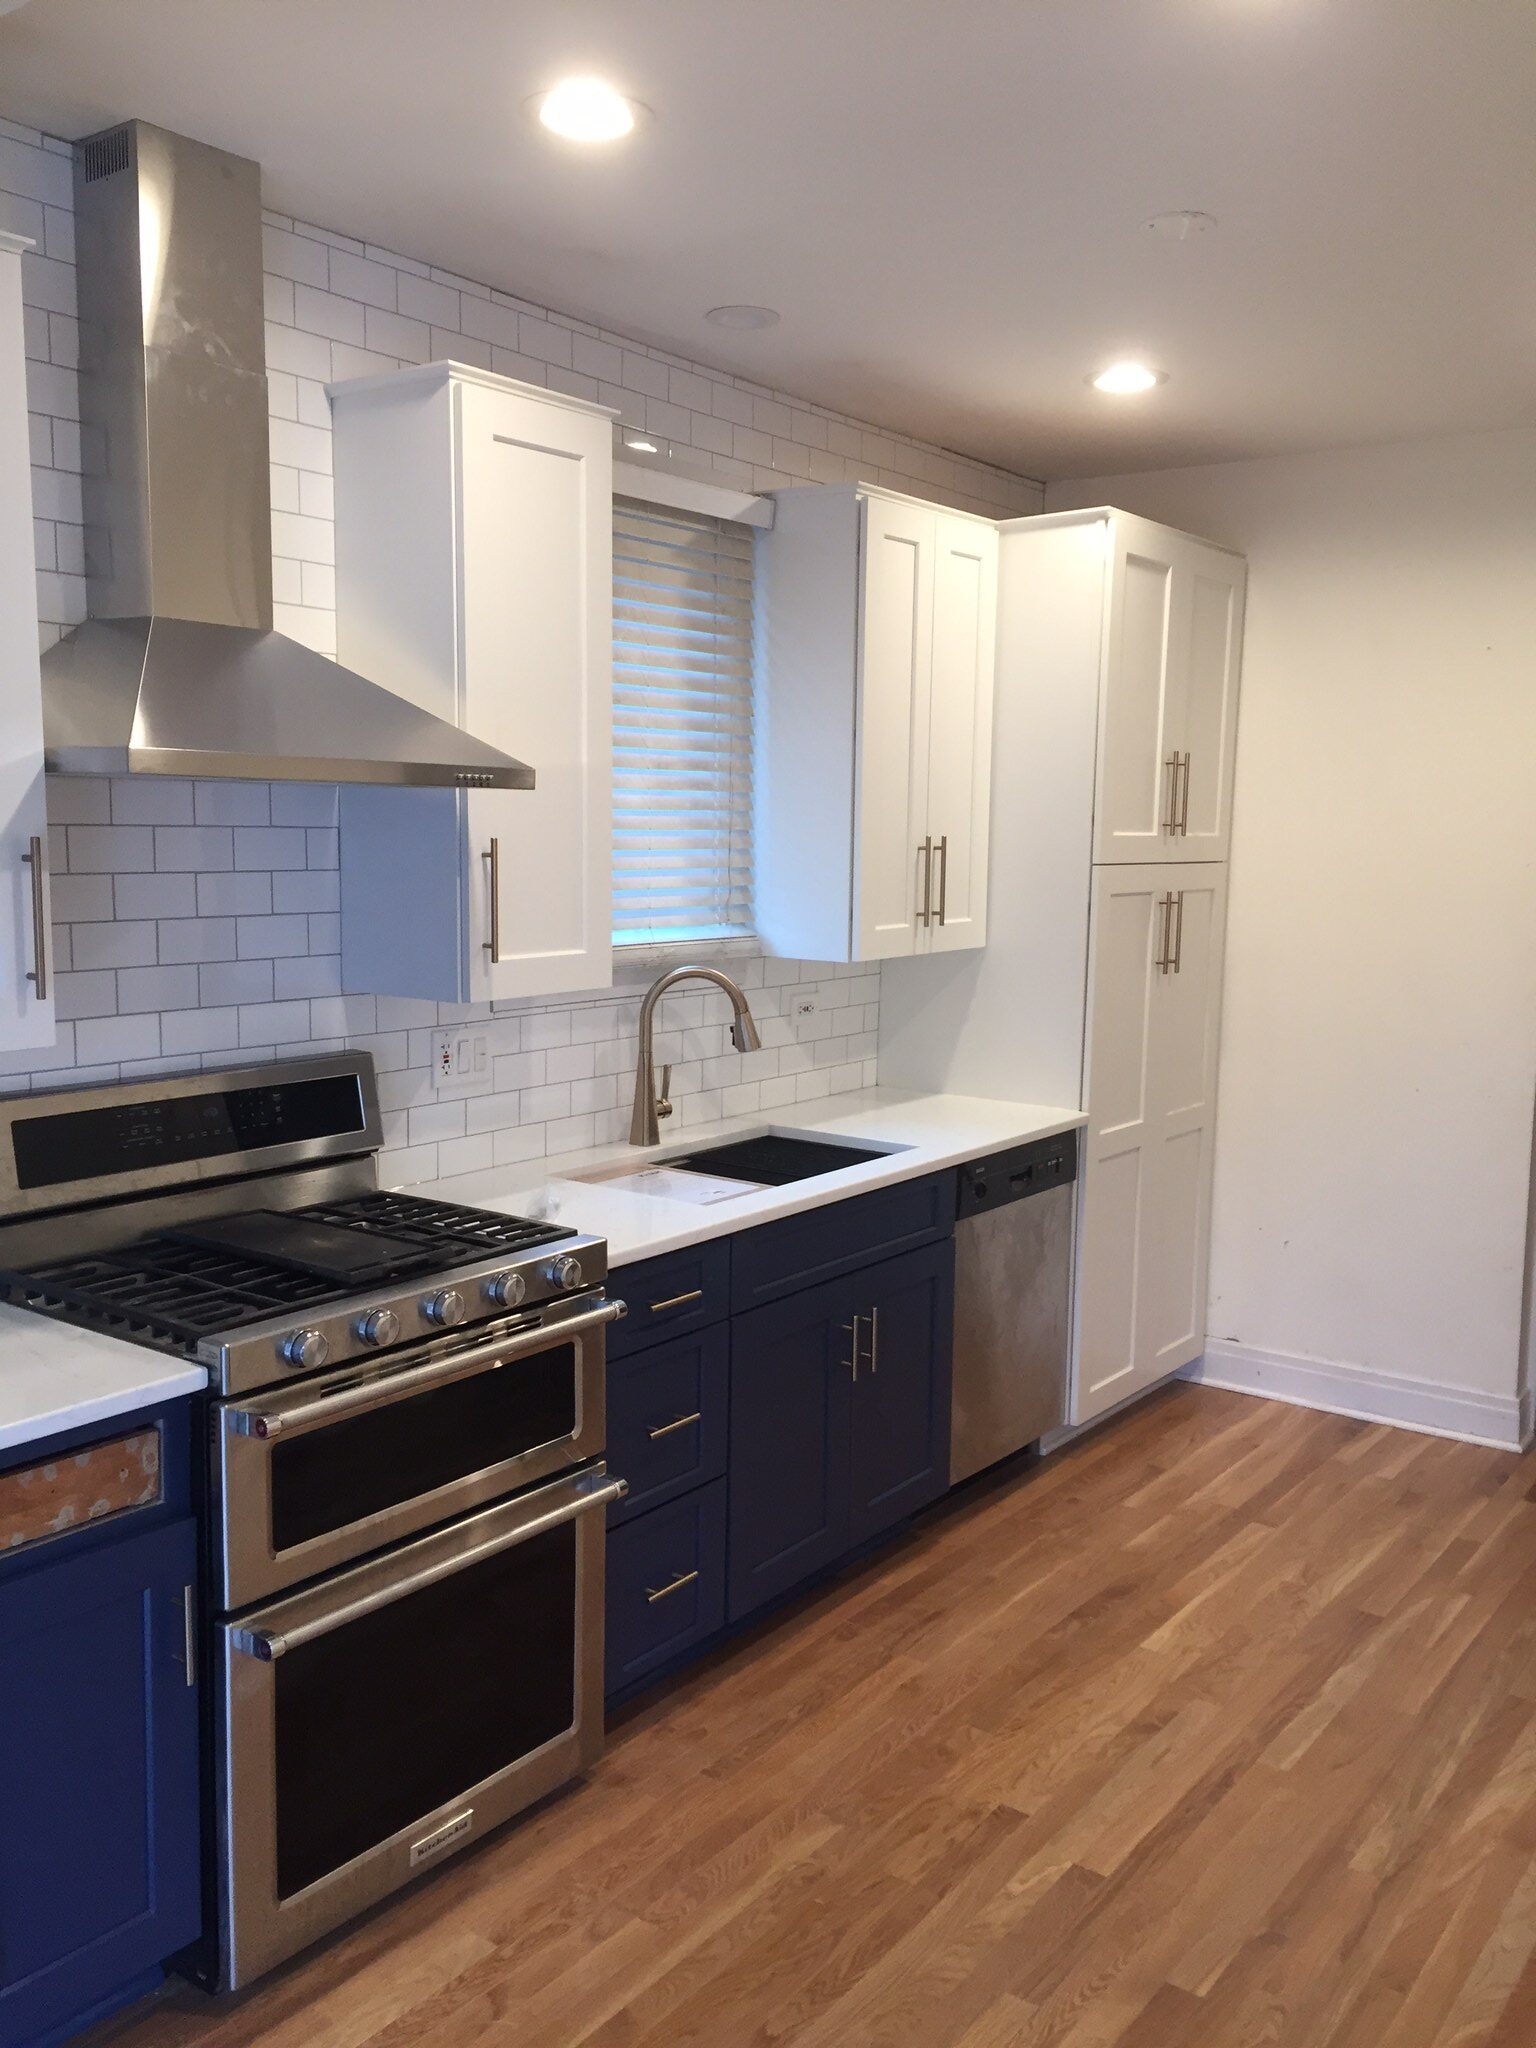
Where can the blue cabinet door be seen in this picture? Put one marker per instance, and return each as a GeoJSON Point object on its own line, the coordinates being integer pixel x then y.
{"type": "Point", "coordinates": [98, 1777]}
{"type": "Point", "coordinates": [791, 1382]}
{"type": "Point", "coordinates": [900, 1426]}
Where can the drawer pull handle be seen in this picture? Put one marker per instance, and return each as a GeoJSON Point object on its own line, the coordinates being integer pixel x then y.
{"type": "Point", "coordinates": [655, 1593]}
{"type": "Point", "coordinates": [677, 1300]}
{"type": "Point", "coordinates": [666, 1428]}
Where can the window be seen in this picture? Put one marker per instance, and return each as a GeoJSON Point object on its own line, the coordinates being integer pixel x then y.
{"type": "Point", "coordinates": [682, 725]}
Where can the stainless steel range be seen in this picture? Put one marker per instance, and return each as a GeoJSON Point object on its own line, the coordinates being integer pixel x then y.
{"type": "Point", "coordinates": [404, 1586]}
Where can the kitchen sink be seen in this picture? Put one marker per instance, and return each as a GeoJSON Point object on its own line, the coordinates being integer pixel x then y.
{"type": "Point", "coordinates": [772, 1160]}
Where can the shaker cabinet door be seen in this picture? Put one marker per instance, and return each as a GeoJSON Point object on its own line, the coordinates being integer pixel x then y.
{"type": "Point", "coordinates": [900, 1434]}
{"type": "Point", "coordinates": [892, 876]}
{"type": "Point", "coordinates": [960, 732]}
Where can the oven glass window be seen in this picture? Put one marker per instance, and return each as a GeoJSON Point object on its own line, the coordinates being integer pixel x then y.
{"type": "Point", "coordinates": [335, 1476]}
{"type": "Point", "coordinates": [389, 1716]}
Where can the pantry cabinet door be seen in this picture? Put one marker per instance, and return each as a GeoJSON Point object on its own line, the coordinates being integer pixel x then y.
{"type": "Point", "coordinates": [892, 880]}
{"type": "Point", "coordinates": [535, 510]}
{"type": "Point", "coordinates": [1185, 1017]}
{"type": "Point", "coordinates": [1208, 594]}
{"type": "Point", "coordinates": [26, 1000]}
{"type": "Point", "coordinates": [1138, 696]}
{"type": "Point", "coordinates": [1120, 1142]}
{"type": "Point", "coordinates": [960, 730]}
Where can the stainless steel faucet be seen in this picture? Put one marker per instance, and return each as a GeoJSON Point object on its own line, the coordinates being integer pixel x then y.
{"type": "Point", "coordinates": [645, 1124]}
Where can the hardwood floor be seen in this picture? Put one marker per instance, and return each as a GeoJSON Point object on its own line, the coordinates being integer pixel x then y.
{"type": "Point", "coordinates": [1217, 1729]}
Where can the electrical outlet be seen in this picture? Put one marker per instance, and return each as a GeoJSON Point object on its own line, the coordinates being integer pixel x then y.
{"type": "Point", "coordinates": [461, 1060]}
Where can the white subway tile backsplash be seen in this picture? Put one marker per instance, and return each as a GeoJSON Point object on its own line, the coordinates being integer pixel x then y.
{"type": "Point", "coordinates": [217, 902]}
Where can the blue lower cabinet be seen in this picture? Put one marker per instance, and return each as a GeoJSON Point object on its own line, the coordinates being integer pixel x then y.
{"type": "Point", "coordinates": [791, 1413]}
{"type": "Point", "coordinates": [98, 1777]}
{"type": "Point", "coordinates": [900, 1433]}
{"type": "Point", "coordinates": [666, 1584]}
{"type": "Point", "coordinates": [667, 1415]}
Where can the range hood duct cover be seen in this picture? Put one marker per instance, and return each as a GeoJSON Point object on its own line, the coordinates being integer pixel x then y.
{"type": "Point", "coordinates": [179, 669]}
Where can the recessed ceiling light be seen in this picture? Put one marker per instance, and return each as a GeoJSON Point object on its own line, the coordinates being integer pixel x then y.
{"type": "Point", "coordinates": [1125, 380]}
{"type": "Point", "coordinates": [743, 316]}
{"type": "Point", "coordinates": [1182, 226]}
{"type": "Point", "coordinates": [640, 444]}
{"type": "Point", "coordinates": [586, 110]}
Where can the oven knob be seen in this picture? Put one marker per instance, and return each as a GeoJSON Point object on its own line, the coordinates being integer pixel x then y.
{"type": "Point", "coordinates": [306, 1348]}
{"type": "Point", "coordinates": [565, 1271]}
{"type": "Point", "coordinates": [445, 1307]}
{"type": "Point", "coordinates": [379, 1326]}
{"type": "Point", "coordinates": [506, 1289]}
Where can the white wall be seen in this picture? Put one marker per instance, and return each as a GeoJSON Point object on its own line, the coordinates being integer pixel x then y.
{"type": "Point", "coordinates": [197, 922]}
{"type": "Point", "coordinates": [1373, 1159]}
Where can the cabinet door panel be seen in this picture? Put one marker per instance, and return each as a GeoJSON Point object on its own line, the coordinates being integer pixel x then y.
{"type": "Point", "coordinates": [960, 729]}
{"type": "Point", "coordinates": [891, 753]}
{"type": "Point", "coordinates": [26, 1018]}
{"type": "Point", "coordinates": [1125, 937]}
{"type": "Point", "coordinates": [1211, 600]}
{"type": "Point", "coordinates": [535, 595]}
{"type": "Point", "coordinates": [900, 1433]}
{"type": "Point", "coordinates": [791, 1382]}
{"type": "Point", "coordinates": [98, 1776]}
{"type": "Point", "coordinates": [1186, 1012]}
{"type": "Point", "coordinates": [1135, 741]}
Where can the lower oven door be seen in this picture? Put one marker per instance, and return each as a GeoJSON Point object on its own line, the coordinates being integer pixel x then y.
{"type": "Point", "coordinates": [312, 1476]}
{"type": "Point", "coordinates": [381, 1720]}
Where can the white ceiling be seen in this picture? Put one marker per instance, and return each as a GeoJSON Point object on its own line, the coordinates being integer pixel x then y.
{"type": "Point", "coordinates": [946, 203]}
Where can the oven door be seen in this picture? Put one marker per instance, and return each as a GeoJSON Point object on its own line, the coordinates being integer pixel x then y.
{"type": "Point", "coordinates": [379, 1721]}
{"type": "Point", "coordinates": [316, 1475]}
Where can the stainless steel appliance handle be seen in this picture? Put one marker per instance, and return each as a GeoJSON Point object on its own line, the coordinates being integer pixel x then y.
{"type": "Point", "coordinates": [925, 915]}
{"type": "Point", "coordinates": [267, 1644]}
{"type": "Point", "coordinates": [493, 943]}
{"type": "Point", "coordinates": [943, 908]}
{"type": "Point", "coordinates": [282, 1415]}
{"type": "Point", "coordinates": [39, 973]}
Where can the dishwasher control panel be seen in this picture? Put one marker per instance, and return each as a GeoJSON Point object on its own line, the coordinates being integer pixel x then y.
{"type": "Point", "coordinates": [1010, 1176]}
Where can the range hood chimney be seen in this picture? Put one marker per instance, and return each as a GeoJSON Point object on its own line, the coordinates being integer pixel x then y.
{"type": "Point", "coordinates": [178, 670]}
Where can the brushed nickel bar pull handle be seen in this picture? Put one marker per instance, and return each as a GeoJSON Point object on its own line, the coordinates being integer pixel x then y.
{"type": "Point", "coordinates": [493, 943]}
{"type": "Point", "coordinates": [39, 974]}
{"type": "Point", "coordinates": [1184, 803]}
{"type": "Point", "coordinates": [943, 878]}
{"type": "Point", "coordinates": [925, 915]}
{"type": "Point", "coordinates": [655, 1593]}
{"type": "Point", "coordinates": [852, 1330]}
{"type": "Point", "coordinates": [1178, 942]}
{"type": "Point", "coordinates": [666, 1428]}
{"type": "Point", "coordinates": [189, 1634]}
{"type": "Point", "coordinates": [1170, 823]}
{"type": "Point", "coordinates": [677, 1300]}
{"type": "Point", "coordinates": [1164, 961]}
{"type": "Point", "coordinates": [873, 1360]}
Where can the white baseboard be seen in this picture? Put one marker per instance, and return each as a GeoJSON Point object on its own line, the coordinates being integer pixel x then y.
{"type": "Point", "coordinates": [1501, 1422]}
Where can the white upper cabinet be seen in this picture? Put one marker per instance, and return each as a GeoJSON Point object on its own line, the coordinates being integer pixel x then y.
{"type": "Point", "coordinates": [1168, 702]}
{"type": "Point", "coordinates": [1154, 1011]}
{"type": "Point", "coordinates": [876, 653]}
{"type": "Point", "coordinates": [26, 998]}
{"type": "Point", "coordinates": [474, 576]}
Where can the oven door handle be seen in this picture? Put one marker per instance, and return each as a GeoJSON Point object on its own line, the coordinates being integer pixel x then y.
{"type": "Point", "coordinates": [286, 1415]}
{"type": "Point", "coordinates": [265, 1644]}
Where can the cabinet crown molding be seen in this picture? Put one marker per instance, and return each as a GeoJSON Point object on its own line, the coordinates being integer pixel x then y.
{"type": "Point", "coordinates": [430, 375]}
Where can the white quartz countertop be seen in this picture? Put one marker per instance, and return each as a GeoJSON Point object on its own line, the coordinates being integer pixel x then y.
{"type": "Point", "coordinates": [55, 1376]}
{"type": "Point", "coordinates": [923, 1133]}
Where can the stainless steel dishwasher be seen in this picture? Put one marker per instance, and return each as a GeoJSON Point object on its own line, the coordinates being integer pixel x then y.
{"type": "Point", "coordinates": [1013, 1301]}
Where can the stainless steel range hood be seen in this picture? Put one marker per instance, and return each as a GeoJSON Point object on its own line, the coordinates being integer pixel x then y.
{"type": "Point", "coordinates": [178, 670]}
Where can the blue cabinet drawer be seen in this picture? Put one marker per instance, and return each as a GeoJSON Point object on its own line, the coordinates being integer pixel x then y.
{"type": "Point", "coordinates": [666, 1584]}
{"type": "Point", "coordinates": [680, 1291]}
{"type": "Point", "coordinates": [667, 1418]}
{"type": "Point", "coordinates": [801, 1251]}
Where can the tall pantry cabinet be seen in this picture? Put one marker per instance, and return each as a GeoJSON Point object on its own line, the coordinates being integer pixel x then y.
{"type": "Point", "coordinates": [1119, 645]}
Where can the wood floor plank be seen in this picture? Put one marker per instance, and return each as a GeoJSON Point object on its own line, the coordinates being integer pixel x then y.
{"type": "Point", "coordinates": [1215, 1730]}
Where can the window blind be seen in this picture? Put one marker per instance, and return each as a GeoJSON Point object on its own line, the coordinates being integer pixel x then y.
{"type": "Point", "coordinates": [682, 724]}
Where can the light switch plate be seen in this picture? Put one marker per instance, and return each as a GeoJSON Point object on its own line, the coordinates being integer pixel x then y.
{"type": "Point", "coordinates": [461, 1059]}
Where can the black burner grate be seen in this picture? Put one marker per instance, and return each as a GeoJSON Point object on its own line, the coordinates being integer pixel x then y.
{"type": "Point", "coordinates": [162, 1291]}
